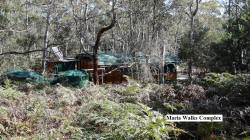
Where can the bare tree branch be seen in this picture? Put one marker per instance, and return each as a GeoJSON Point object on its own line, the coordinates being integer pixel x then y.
{"type": "Point", "coordinates": [197, 7]}
{"type": "Point", "coordinates": [27, 52]}
{"type": "Point", "coordinates": [12, 30]}
{"type": "Point", "coordinates": [21, 53]}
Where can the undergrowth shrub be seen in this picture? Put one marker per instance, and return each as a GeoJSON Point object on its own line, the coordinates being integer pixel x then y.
{"type": "Point", "coordinates": [165, 93]}
{"type": "Point", "coordinates": [9, 93]}
{"type": "Point", "coordinates": [225, 83]}
{"type": "Point", "coordinates": [110, 120]}
{"type": "Point", "coordinates": [161, 98]}
{"type": "Point", "coordinates": [191, 92]}
{"type": "Point", "coordinates": [115, 111]}
{"type": "Point", "coordinates": [95, 112]}
{"type": "Point", "coordinates": [28, 116]}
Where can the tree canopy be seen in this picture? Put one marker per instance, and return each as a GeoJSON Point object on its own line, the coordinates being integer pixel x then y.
{"type": "Point", "coordinates": [206, 34]}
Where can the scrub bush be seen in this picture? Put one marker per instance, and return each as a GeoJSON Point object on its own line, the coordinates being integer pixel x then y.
{"type": "Point", "coordinates": [225, 83]}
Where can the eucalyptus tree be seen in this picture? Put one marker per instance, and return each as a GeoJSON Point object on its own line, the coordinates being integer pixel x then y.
{"type": "Point", "coordinates": [152, 27]}
{"type": "Point", "coordinates": [17, 25]}
{"type": "Point", "coordinates": [91, 19]}
{"type": "Point", "coordinates": [196, 43]}
{"type": "Point", "coordinates": [4, 9]}
{"type": "Point", "coordinates": [148, 27]}
{"type": "Point", "coordinates": [234, 45]}
{"type": "Point", "coordinates": [192, 11]}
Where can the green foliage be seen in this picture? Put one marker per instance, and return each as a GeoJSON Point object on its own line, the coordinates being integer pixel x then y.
{"type": "Point", "coordinates": [93, 113]}
{"type": "Point", "coordinates": [57, 112]}
{"type": "Point", "coordinates": [245, 133]}
{"type": "Point", "coordinates": [27, 41]}
{"type": "Point", "coordinates": [208, 129]}
{"type": "Point", "coordinates": [232, 52]}
{"type": "Point", "coordinates": [170, 107]}
{"type": "Point", "coordinates": [42, 85]}
{"type": "Point", "coordinates": [192, 92]}
{"type": "Point", "coordinates": [125, 121]}
{"type": "Point", "coordinates": [9, 93]}
{"type": "Point", "coordinates": [226, 83]}
{"type": "Point", "coordinates": [3, 19]}
{"type": "Point", "coordinates": [149, 125]}
{"type": "Point", "coordinates": [198, 50]}
{"type": "Point", "coordinates": [131, 89]}
{"type": "Point", "coordinates": [7, 83]}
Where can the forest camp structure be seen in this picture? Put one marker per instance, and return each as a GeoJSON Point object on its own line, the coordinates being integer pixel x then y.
{"type": "Point", "coordinates": [170, 67]}
{"type": "Point", "coordinates": [112, 67]}
{"type": "Point", "coordinates": [169, 70]}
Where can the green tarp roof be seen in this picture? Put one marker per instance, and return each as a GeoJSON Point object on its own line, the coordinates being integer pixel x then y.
{"type": "Point", "coordinates": [108, 58]}
{"type": "Point", "coordinates": [169, 58]}
{"type": "Point", "coordinates": [23, 75]}
{"type": "Point", "coordinates": [73, 78]}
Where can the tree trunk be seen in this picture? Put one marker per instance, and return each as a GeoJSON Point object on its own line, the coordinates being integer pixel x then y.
{"type": "Point", "coordinates": [27, 16]}
{"type": "Point", "coordinates": [191, 15]}
{"type": "Point", "coordinates": [96, 47]}
{"type": "Point", "coordinates": [163, 65]}
{"type": "Point", "coordinates": [45, 42]}
{"type": "Point", "coordinates": [95, 61]}
{"type": "Point", "coordinates": [191, 45]}
{"type": "Point", "coordinates": [190, 70]}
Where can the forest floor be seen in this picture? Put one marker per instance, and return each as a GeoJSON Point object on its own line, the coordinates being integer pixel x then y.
{"type": "Point", "coordinates": [129, 111]}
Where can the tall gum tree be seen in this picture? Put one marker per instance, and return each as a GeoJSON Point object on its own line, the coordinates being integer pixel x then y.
{"type": "Point", "coordinates": [193, 8]}
{"type": "Point", "coordinates": [97, 43]}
